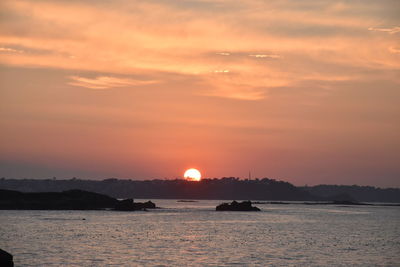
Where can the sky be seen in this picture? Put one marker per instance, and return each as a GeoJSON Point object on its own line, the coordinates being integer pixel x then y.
{"type": "Point", "coordinates": [302, 91]}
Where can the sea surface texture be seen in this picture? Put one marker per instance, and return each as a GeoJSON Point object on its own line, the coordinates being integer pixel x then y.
{"type": "Point", "coordinates": [194, 234]}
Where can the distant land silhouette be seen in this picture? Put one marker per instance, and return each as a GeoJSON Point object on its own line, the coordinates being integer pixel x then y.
{"type": "Point", "coordinates": [225, 188]}
{"type": "Point", "coordinates": [358, 193]}
{"type": "Point", "coordinates": [67, 200]}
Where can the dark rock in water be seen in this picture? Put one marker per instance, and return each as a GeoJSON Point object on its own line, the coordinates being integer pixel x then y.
{"type": "Point", "coordinates": [125, 205]}
{"type": "Point", "coordinates": [237, 206]}
{"type": "Point", "coordinates": [149, 205]}
{"type": "Point", "coordinates": [6, 259]}
{"type": "Point", "coordinates": [129, 205]}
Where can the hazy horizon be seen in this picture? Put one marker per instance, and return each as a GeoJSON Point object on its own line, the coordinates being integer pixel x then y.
{"type": "Point", "coordinates": [301, 91]}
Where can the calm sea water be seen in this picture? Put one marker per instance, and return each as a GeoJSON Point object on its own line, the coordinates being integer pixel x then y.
{"type": "Point", "coordinates": [193, 234]}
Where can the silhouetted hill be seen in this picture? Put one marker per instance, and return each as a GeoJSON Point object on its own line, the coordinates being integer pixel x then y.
{"type": "Point", "coordinates": [357, 193]}
{"type": "Point", "coordinates": [66, 200]}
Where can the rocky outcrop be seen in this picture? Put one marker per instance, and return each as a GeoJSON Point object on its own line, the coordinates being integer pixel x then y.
{"type": "Point", "coordinates": [237, 206]}
{"type": "Point", "coordinates": [129, 205]}
{"type": "Point", "coordinates": [6, 259]}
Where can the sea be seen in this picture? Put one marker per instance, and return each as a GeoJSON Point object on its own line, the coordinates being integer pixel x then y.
{"type": "Point", "coordinates": [194, 234]}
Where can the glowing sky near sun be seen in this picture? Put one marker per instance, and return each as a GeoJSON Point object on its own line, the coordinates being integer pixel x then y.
{"type": "Point", "coordinates": [305, 91]}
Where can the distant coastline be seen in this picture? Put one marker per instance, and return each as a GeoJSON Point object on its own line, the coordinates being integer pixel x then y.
{"type": "Point", "coordinates": [225, 189]}
{"type": "Point", "coordinates": [67, 200]}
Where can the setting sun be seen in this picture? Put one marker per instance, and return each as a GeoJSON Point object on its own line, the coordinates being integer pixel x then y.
{"type": "Point", "coordinates": [192, 175]}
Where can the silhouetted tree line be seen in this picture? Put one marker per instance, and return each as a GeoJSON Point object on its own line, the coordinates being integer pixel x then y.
{"type": "Point", "coordinates": [225, 188]}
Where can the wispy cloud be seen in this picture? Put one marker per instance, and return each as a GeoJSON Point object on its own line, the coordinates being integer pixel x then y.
{"type": "Point", "coordinates": [388, 30]}
{"type": "Point", "coordinates": [264, 56]}
{"type": "Point", "coordinates": [223, 53]}
{"type": "Point", "coordinates": [394, 50]}
{"type": "Point", "coordinates": [10, 50]}
{"type": "Point", "coordinates": [221, 71]}
{"type": "Point", "coordinates": [106, 82]}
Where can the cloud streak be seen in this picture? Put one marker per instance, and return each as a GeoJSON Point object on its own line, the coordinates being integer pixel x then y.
{"type": "Point", "coordinates": [387, 30]}
{"type": "Point", "coordinates": [106, 82]}
{"type": "Point", "coordinates": [265, 56]}
{"type": "Point", "coordinates": [10, 50]}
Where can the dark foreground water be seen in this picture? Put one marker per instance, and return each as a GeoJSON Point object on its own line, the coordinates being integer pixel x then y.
{"type": "Point", "coordinates": [193, 234]}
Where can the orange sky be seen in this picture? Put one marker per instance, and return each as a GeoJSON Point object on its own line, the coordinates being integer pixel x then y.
{"type": "Point", "coordinates": [303, 91]}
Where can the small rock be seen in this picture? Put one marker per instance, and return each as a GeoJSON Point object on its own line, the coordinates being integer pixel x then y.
{"type": "Point", "coordinates": [237, 206]}
{"type": "Point", "coordinates": [6, 259]}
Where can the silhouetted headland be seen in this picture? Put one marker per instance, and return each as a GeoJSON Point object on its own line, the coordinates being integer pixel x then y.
{"type": "Point", "coordinates": [67, 200]}
{"type": "Point", "coordinates": [237, 206]}
{"type": "Point", "coordinates": [6, 259]}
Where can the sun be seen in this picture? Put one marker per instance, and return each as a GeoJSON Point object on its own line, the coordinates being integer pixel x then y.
{"type": "Point", "coordinates": [192, 175]}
